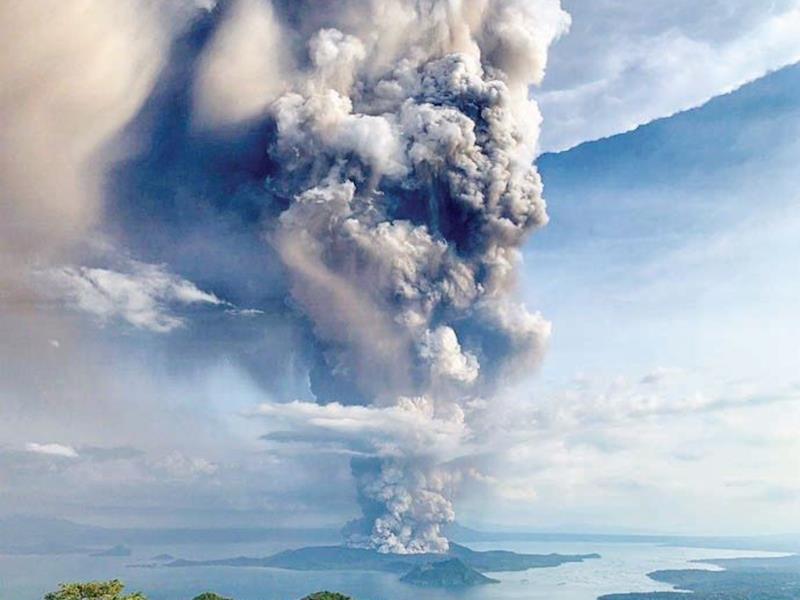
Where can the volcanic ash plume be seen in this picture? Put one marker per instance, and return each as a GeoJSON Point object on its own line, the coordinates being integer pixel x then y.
{"type": "Point", "coordinates": [404, 151]}
{"type": "Point", "coordinates": [386, 147]}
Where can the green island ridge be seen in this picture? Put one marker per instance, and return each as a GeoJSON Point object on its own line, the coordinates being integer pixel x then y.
{"type": "Point", "coordinates": [775, 578]}
{"type": "Point", "coordinates": [450, 573]}
{"type": "Point", "coordinates": [459, 567]}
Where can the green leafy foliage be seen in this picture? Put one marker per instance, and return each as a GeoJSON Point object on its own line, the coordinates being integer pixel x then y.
{"type": "Point", "coordinates": [93, 590]}
{"type": "Point", "coordinates": [113, 590]}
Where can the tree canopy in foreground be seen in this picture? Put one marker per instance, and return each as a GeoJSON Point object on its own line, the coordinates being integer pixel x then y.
{"type": "Point", "coordinates": [93, 590]}
{"type": "Point", "coordinates": [113, 590]}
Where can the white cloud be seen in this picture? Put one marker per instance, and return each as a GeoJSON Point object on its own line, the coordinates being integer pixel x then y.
{"type": "Point", "coordinates": [657, 59]}
{"type": "Point", "coordinates": [593, 455]}
{"type": "Point", "coordinates": [660, 375]}
{"type": "Point", "coordinates": [410, 427]}
{"type": "Point", "coordinates": [143, 297]}
{"type": "Point", "coordinates": [514, 489]}
{"type": "Point", "coordinates": [177, 465]}
{"type": "Point", "coordinates": [52, 450]}
{"type": "Point", "coordinates": [653, 396]}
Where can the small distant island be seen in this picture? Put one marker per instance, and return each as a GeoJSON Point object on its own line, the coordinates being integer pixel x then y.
{"type": "Point", "coordinates": [459, 567]}
{"type": "Point", "coordinates": [451, 573]}
{"type": "Point", "coordinates": [157, 561]}
{"type": "Point", "coordinates": [743, 579]}
{"type": "Point", "coordinates": [118, 550]}
{"type": "Point", "coordinates": [163, 558]}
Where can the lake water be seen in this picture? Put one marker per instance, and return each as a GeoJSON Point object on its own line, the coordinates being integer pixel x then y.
{"type": "Point", "coordinates": [622, 568]}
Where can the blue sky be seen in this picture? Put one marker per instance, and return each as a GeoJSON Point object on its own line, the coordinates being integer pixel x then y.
{"type": "Point", "coordinates": [135, 353]}
{"type": "Point", "coordinates": [673, 224]}
{"type": "Point", "coordinates": [623, 64]}
{"type": "Point", "coordinates": [670, 272]}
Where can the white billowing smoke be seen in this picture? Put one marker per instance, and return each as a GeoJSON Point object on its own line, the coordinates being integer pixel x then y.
{"type": "Point", "coordinates": [405, 145]}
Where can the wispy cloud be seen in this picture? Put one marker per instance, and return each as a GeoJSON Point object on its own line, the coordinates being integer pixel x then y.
{"type": "Point", "coordinates": [144, 296]}
{"type": "Point", "coordinates": [656, 63]}
{"type": "Point", "coordinates": [178, 466]}
{"type": "Point", "coordinates": [410, 426]}
{"type": "Point", "coordinates": [51, 449]}
{"type": "Point", "coordinates": [659, 375]}
{"type": "Point", "coordinates": [622, 401]}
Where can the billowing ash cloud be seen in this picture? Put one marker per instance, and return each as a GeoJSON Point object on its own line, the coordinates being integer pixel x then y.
{"type": "Point", "coordinates": [364, 168]}
{"type": "Point", "coordinates": [408, 185]}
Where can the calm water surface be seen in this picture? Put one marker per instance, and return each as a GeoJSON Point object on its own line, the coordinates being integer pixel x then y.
{"type": "Point", "coordinates": [622, 568]}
